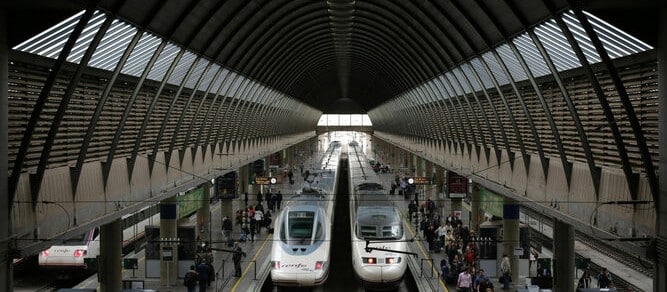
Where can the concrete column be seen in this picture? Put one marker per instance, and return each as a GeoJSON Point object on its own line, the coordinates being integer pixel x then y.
{"type": "Point", "coordinates": [244, 175]}
{"type": "Point", "coordinates": [511, 235]}
{"type": "Point", "coordinates": [439, 188]}
{"type": "Point", "coordinates": [456, 203]}
{"type": "Point", "coordinates": [204, 215]}
{"type": "Point", "coordinates": [476, 212]}
{"type": "Point", "coordinates": [563, 259]}
{"type": "Point", "coordinates": [111, 245]}
{"type": "Point", "coordinates": [5, 223]}
{"type": "Point", "coordinates": [659, 281]}
{"type": "Point", "coordinates": [168, 228]}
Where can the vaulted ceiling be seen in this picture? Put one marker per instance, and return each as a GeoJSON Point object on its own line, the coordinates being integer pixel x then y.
{"type": "Point", "coordinates": [328, 53]}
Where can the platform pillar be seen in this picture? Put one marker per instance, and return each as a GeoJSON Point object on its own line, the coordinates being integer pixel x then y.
{"type": "Point", "coordinates": [439, 183]}
{"type": "Point", "coordinates": [109, 265]}
{"type": "Point", "coordinates": [477, 215]}
{"type": "Point", "coordinates": [5, 224]}
{"type": "Point", "coordinates": [456, 204]}
{"type": "Point", "coordinates": [244, 175]}
{"type": "Point", "coordinates": [511, 236]}
{"type": "Point", "coordinates": [659, 281]}
{"type": "Point", "coordinates": [168, 232]}
{"type": "Point", "coordinates": [204, 215]}
{"type": "Point", "coordinates": [563, 259]}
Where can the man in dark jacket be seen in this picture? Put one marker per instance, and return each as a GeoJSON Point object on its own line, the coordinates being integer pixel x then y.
{"type": "Point", "coordinates": [203, 270]}
{"type": "Point", "coordinates": [236, 257]}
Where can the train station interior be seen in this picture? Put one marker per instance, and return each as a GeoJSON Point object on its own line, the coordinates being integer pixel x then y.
{"type": "Point", "coordinates": [535, 123]}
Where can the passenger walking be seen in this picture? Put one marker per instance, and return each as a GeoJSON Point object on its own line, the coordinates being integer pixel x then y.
{"type": "Point", "coordinates": [505, 271]}
{"type": "Point", "coordinates": [203, 271]}
{"type": "Point", "coordinates": [279, 199]}
{"type": "Point", "coordinates": [464, 281]}
{"type": "Point", "coordinates": [236, 257]}
{"type": "Point", "coordinates": [604, 279]}
{"type": "Point", "coordinates": [585, 280]}
{"type": "Point", "coordinates": [227, 229]}
{"type": "Point", "coordinates": [190, 279]}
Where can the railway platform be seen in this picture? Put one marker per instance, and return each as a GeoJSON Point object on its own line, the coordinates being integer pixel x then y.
{"type": "Point", "coordinates": [254, 266]}
{"type": "Point", "coordinates": [429, 261]}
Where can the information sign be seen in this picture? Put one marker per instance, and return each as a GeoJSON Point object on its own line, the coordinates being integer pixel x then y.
{"type": "Point", "coordinates": [167, 253]}
{"type": "Point", "coordinates": [420, 180]}
{"type": "Point", "coordinates": [130, 264]}
{"type": "Point", "coordinates": [265, 180]}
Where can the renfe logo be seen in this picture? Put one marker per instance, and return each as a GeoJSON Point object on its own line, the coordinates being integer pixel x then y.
{"type": "Point", "coordinates": [293, 266]}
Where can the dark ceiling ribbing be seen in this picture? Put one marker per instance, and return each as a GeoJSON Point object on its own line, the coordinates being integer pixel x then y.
{"type": "Point", "coordinates": [322, 51]}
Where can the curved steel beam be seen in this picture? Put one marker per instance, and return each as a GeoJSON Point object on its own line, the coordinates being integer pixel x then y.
{"type": "Point", "coordinates": [41, 101]}
{"type": "Point", "coordinates": [647, 161]}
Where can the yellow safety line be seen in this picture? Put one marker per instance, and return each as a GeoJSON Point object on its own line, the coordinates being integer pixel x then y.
{"type": "Point", "coordinates": [247, 268]}
{"type": "Point", "coordinates": [423, 251]}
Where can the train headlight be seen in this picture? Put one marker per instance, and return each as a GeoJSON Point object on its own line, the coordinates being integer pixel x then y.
{"type": "Point", "coordinates": [79, 253]}
{"type": "Point", "coordinates": [392, 260]}
{"type": "Point", "coordinates": [45, 253]}
{"type": "Point", "coordinates": [275, 265]}
{"type": "Point", "coordinates": [370, 261]}
{"type": "Point", "coordinates": [319, 265]}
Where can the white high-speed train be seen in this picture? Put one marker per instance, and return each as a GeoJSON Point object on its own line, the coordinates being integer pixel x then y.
{"type": "Point", "coordinates": [379, 247]}
{"type": "Point", "coordinates": [71, 253]}
{"type": "Point", "coordinates": [300, 254]}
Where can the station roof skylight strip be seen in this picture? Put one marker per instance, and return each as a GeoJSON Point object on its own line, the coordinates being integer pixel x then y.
{"type": "Point", "coordinates": [51, 41]}
{"type": "Point", "coordinates": [617, 42]}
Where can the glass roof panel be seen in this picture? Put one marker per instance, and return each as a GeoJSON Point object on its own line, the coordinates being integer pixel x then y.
{"type": "Point", "coordinates": [182, 68]}
{"type": "Point", "coordinates": [495, 69]}
{"type": "Point", "coordinates": [511, 63]}
{"type": "Point", "coordinates": [163, 62]}
{"type": "Point", "coordinates": [460, 79]}
{"type": "Point", "coordinates": [197, 73]}
{"type": "Point", "coordinates": [557, 46]}
{"type": "Point", "coordinates": [141, 54]}
{"type": "Point", "coordinates": [451, 80]}
{"type": "Point", "coordinates": [617, 42]}
{"type": "Point", "coordinates": [581, 37]}
{"type": "Point", "coordinates": [531, 55]}
{"type": "Point", "coordinates": [467, 70]}
{"type": "Point", "coordinates": [113, 45]}
{"type": "Point", "coordinates": [86, 37]}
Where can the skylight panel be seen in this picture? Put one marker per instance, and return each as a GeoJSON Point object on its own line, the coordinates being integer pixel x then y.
{"type": "Point", "coordinates": [467, 71]}
{"type": "Point", "coordinates": [182, 68]}
{"type": "Point", "coordinates": [141, 54]}
{"type": "Point", "coordinates": [479, 71]}
{"type": "Point", "coordinates": [459, 78]}
{"type": "Point", "coordinates": [163, 62]}
{"type": "Point", "coordinates": [495, 69]}
{"type": "Point", "coordinates": [196, 73]}
{"type": "Point", "coordinates": [208, 79]}
{"type": "Point", "coordinates": [531, 55]}
{"type": "Point", "coordinates": [217, 84]}
{"type": "Point", "coordinates": [227, 83]}
{"type": "Point", "coordinates": [511, 63]}
{"type": "Point", "coordinates": [49, 43]}
{"type": "Point", "coordinates": [617, 42]}
{"type": "Point", "coordinates": [87, 35]}
{"type": "Point", "coordinates": [442, 92]}
{"type": "Point", "coordinates": [113, 45]}
{"type": "Point", "coordinates": [557, 46]}
{"type": "Point", "coordinates": [581, 37]}
{"type": "Point", "coordinates": [452, 83]}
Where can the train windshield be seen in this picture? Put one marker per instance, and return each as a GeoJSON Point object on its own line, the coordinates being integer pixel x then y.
{"type": "Point", "coordinates": [81, 239]}
{"type": "Point", "coordinates": [381, 232]}
{"type": "Point", "coordinates": [302, 228]}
